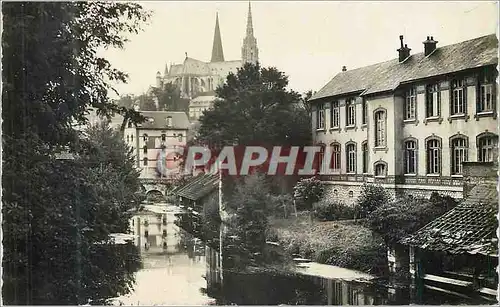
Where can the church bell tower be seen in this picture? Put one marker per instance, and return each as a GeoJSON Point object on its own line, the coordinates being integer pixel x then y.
{"type": "Point", "coordinates": [249, 50]}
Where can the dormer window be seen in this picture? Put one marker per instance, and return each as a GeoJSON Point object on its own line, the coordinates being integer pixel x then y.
{"type": "Point", "coordinates": [169, 121]}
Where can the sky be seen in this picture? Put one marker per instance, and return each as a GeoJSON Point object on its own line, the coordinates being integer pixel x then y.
{"type": "Point", "coordinates": [309, 41]}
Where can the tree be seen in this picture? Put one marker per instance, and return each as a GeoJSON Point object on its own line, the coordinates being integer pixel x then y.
{"type": "Point", "coordinates": [50, 52]}
{"type": "Point", "coordinates": [371, 198]}
{"type": "Point", "coordinates": [308, 191]}
{"type": "Point", "coordinates": [169, 98]}
{"type": "Point", "coordinates": [397, 219]}
{"type": "Point", "coordinates": [248, 207]}
{"type": "Point", "coordinates": [126, 101]}
{"type": "Point", "coordinates": [259, 98]}
{"type": "Point", "coordinates": [52, 74]}
{"type": "Point", "coordinates": [146, 103]}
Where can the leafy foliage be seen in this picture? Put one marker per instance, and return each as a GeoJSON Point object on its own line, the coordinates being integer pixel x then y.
{"type": "Point", "coordinates": [169, 98]}
{"type": "Point", "coordinates": [257, 97]}
{"type": "Point", "coordinates": [400, 218]}
{"type": "Point", "coordinates": [308, 191]}
{"type": "Point", "coordinates": [325, 210]}
{"type": "Point", "coordinates": [371, 198]}
{"type": "Point", "coordinates": [58, 215]}
{"type": "Point", "coordinates": [248, 207]}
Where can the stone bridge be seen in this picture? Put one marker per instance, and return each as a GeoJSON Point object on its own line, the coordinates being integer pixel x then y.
{"type": "Point", "coordinates": [156, 186]}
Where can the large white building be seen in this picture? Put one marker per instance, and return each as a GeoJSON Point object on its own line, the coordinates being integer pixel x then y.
{"type": "Point", "coordinates": [197, 78]}
{"type": "Point", "coordinates": [410, 122]}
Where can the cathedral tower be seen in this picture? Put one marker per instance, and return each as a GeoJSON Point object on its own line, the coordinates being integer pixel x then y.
{"type": "Point", "coordinates": [249, 50]}
{"type": "Point", "coordinates": [217, 53]}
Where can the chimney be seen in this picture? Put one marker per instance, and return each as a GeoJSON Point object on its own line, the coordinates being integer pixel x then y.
{"type": "Point", "coordinates": [404, 51]}
{"type": "Point", "coordinates": [344, 68]}
{"type": "Point", "coordinates": [429, 45]}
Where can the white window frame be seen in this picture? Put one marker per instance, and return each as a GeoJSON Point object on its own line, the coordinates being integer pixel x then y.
{"type": "Point", "coordinates": [459, 154]}
{"type": "Point", "coordinates": [350, 108]}
{"type": "Point", "coordinates": [350, 150]}
{"type": "Point", "coordinates": [458, 97]}
{"type": "Point", "coordinates": [433, 101]}
{"type": "Point", "coordinates": [486, 97]}
{"type": "Point", "coordinates": [433, 156]}
{"type": "Point", "coordinates": [410, 112]}
{"type": "Point", "coordinates": [410, 158]}
{"type": "Point", "coordinates": [335, 115]}
{"type": "Point", "coordinates": [320, 117]}
{"type": "Point", "coordinates": [487, 147]}
{"type": "Point", "coordinates": [380, 125]}
{"type": "Point", "coordinates": [336, 156]}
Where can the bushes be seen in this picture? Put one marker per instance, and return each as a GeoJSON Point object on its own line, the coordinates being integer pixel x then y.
{"type": "Point", "coordinates": [308, 191]}
{"type": "Point", "coordinates": [333, 211]}
{"type": "Point", "coordinates": [371, 198]}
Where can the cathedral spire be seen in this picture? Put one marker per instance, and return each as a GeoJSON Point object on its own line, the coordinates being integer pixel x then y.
{"type": "Point", "coordinates": [249, 50]}
{"type": "Point", "coordinates": [249, 21]}
{"type": "Point", "coordinates": [217, 52]}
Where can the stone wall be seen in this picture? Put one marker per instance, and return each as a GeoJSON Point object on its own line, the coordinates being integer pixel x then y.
{"type": "Point", "coordinates": [348, 193]}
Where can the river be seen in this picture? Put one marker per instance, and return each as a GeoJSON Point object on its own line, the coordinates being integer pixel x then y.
{"type": "Point", "coordinates": [178, 272]}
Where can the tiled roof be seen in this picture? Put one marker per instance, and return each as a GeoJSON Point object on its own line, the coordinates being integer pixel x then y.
{"type": "Point", "coordinates": [195, 67]}
{"type": "Point", "coordinates": [387, 76]}
{"type": "Point", "coordinates": [198, 186]}
{"type": "Point", "coordinates": [158, 120]}
{"type": "Point", "coordinates": [470, 227]}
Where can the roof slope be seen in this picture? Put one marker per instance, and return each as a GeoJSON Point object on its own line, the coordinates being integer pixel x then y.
{"type": "Point", "coordinates": [198, 186]}
{"type": "Point", "coordinates": [470, 227]}
{"type": "Point", "coordinates": [158, 120]}
{"type": "Point", "coordinates": [387, 76]}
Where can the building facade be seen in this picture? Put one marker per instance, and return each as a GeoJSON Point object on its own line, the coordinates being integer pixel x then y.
{"type": "Point", "coordinates": [155, 141]}
{"type": "Point", "coordinates": [194, 77]}
{"type": "Point", "coordinates": [409, 123]}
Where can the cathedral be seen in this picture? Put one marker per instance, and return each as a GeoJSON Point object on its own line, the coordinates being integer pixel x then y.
{"type": "Point", "coordinates": [197, 79]}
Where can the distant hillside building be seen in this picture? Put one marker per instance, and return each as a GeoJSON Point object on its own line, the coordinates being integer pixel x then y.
{"type": "Point", "coordinates": [409, 123]}
{"type": "Point", "coordinates": [195, 77]}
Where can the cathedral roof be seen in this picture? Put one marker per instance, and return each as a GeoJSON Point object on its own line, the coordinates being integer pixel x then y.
{"type": "Point", "coordinates": [176, 70]}
{"type": "Point", "coordinates": [387, 76]}
{"type": "Point", "coordinates": [195, 67]}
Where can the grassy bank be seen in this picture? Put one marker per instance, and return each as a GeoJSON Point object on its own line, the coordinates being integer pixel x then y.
{"type": "Point", "coordinates": [346, 244]}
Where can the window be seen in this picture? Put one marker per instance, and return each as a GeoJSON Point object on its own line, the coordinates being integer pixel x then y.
{"type": "Point", "coordinates": [145, 161]}
{"type": "Point", "coordinates": [335, 162]}
{"type": "Point", "coordinates": [169, 121]}
{"type": "Point", "coordinates": [164, 233]}
{"type": "Point", "coordinates": [179, 137]}
{"type": "Point", "coordinates": [487, 148]}
{"type": "Point", "coordinates": [410, 104]}
{"type": "Point", "coordinates": [433, 156]}
{"type": "Point", "coordinates": [163, 136]}
{"type": "Point", "coordinates": [486, 93]}
{"type": "Point", "coordinates": [145, 149]}
{"type": "Point", "coordinates": [459, 151]}
{"type": "Point", "coordinates": [132, 138]}
{"type": "Point", "coordinates": [320, 117]}
{"type": "Point", "coordinates": [351, 158]}
{"type": "Point", "coordinates": [335, 115]}
{"type": "Point", "coordinates": [433, 101]}
{"type": "Point", "coordinates": [321, 155]}
{"type": "Point", "coordinates": [145, 137]}
{"type": "Point", "coordinates": [458, 97]}
{"type": "Point", "coordinates": [146, 233]}
{"type": "Point", "coordinates": [380, 169]}
{"type": "Point", "coordinates": [380, 128]}
{"type": "Point", "coordinates": [365, 112]}
{"type": "Point", "coordinates": [410, 157]}
{"type": "Point", "coordinates": [364, 149]}
{"type": "Point", "coordinates": [350, 110]}
{"type": "Point", "coordinates": [128, 139]}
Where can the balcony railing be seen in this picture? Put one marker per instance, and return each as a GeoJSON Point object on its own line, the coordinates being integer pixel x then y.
{"type": "Point", "coordinates": [414, 180]}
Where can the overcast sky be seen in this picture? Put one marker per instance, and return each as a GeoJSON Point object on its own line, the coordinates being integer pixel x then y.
{"type": "Point", "coordinates": [310, 41]}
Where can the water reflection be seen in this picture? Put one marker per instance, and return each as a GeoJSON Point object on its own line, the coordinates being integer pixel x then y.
{"type": "Point", "coordinates": [185, 271]}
